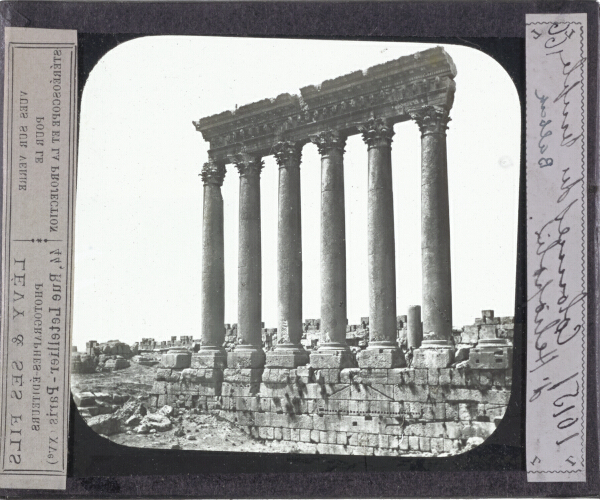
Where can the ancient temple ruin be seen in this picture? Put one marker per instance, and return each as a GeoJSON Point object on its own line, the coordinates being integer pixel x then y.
{"type": "Point", "coordinates": [418, 87]}
{"type": "Point", "coordinates": [290, 392]}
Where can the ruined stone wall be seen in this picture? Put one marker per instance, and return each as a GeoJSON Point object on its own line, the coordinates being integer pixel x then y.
{"type": "Point", "coordinates": [361, 411]}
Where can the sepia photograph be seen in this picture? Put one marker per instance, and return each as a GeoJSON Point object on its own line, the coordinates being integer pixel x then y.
{"type": "Point", "coordinates": [296, 246]}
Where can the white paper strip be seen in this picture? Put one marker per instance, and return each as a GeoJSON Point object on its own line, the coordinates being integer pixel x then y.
{"type": "Point", "coordinates": [40, 99]}
{"type": "Point", "coordinates": [556, 53]}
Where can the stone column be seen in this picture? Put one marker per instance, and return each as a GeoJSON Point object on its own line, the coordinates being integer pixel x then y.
{"type": "Point", "coordinates": [414, 327]}
{"type": "Point", "coordinates": [212, 353]}
{"type": "Point", "coordinates": [435, 232]}
{"type": "Point", "coordinates": [248, 353]}
{"type": "Point", "coordinates": [333, 351]}
{"type": "Point", "coordinates": [383, 351]}
{"type": "Point", "coordinates": [288, 352]}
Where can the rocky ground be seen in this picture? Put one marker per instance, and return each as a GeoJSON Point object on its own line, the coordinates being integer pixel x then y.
{"type": "Point", "coordinates": [183, 429]}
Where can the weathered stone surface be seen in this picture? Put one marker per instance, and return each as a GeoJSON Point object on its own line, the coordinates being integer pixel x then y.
{"type": "Point", "coordinates": [246, 359]}
{"type": "Point", "coordinates": [332, 359]}
{"type": "Point", "coordinates": [438, 357]}
{"type": "Point", "coordinates": [488, 332]}
{"type": "Point", "coordinates": [414, 331]}
{"type": "Point", "coordinates": [157, 421]}
{"type": "Point", "coordinates": [84, 399]}
{"type": "Point", "coordinates": [491, 358]}
{"type": "Point", "coordinates": [177, 359]}
{"type": "Point", "coordinates": [243, 375]}
{"type": "Point", "coordinates": [381, 358]}
{"type": "Point", "coordinates": [286, 359]}
{"type": "Point", "coordinates": [116, 364]}
{"type": "Point", "coordinates": [470, 334]}
{"type": "Point", "coordinates": [104, 424]}
{"type": "Point", "coordinates": [209, 359]}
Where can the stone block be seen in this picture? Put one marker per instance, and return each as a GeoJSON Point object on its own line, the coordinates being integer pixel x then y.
{"type": "Point", "coordinates": [372, 440]}
{"type": "Point", "coordinates": [384, 441]}
{"type": "Point", "coordinates": [445, 378]}
{"type": "Point", "coordinates": [421, 376]}
{"type": "Point", "coordinates": [467, 411]}
{"type": "Point", "coordinates": [177, 358]}
{"type": "Point", "coordinates": [341, 438]}
{"type": "Point", "coordinates": [370, 376]}
{"type": "Point", "coordinates": [381, 358]}
{"type": "Point", "coordinates": [278, 433]}
{"type": "Point", "coordinates": [457, 377]}
{"type": "Point", "coordinates": [327, 376]}
{"type": "Point", "coordinates": [413, 443]}
{"type": "Point", "coordinates": [497, 397]}
{"type": "Point", "coordinates": [403, 443]}
{"type": "Point", "coordinates": [353, 439]}
{"type": "Point", "coordinates": [314, 436]}
{"type": "Point", "coordinates": [240, 358]}
{"type": "Point", "coordinates": [413, 409]}
{"type": "Point", "coordinates": [347, 375]}
{"type": "Point", "coordinates": [488, 332]}
{"type": "Point", "coordinates": [304, 374]}
{"type": "Point", "coordinates": [453, 430]}
{"type": "Point", "coordinates": [209, 389]}
{"type": "Point", "coordinates": [408, 376]}
{"type": "Point", "coordinates": [282, 376]}
{"type": "Point", "coordinates": [433, 357]}
{"type": "Point", "coordinates": [174, 376]}
{"type": "Point", "coordinates": [242, 375]}
{"type": "Point", "coordinates": [470, 334]}
{"type": "Point", "coordinates": [331, 359]}
{"type": "Point", "coordinates": [425, 444]}
{"type": "Point", "coordinates": [396, 375]}
{"type": "Point", "coordinates": [162, 374]}
{"type": "Point", "coordinates": [209, 359]}
{"type": "Point", "coordinates": [375, 391]}
{"type": "Point", "coordinates": [159, 388]}
{"type": "Point", "coordinates": [437, 445]}
{"type": "Point", "coordinates": [491, 358]}
{"type": "Point", "coordinates": [83, 399]}
{"type": "Point", "coordinates": [286, 359]}
{"type": "Point", "coordinates": [433, 376]}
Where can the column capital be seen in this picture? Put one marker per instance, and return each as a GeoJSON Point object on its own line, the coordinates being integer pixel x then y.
{"type": "Point", "coordinates": [248, 165]}
{"type": "Point", "coordinates": [213, 173]}
{"type": "Point", "coordinates": [431, 119]}
{"type": "Point", "coordinates": [328, 140]}
{"type": "Point", "coordinates": [376, 132]}
{"type": "Point", "coordinates": [287, 153]}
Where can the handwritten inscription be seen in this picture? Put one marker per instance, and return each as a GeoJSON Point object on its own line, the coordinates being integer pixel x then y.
{"type": "Point", "coordinates": [556, 249]}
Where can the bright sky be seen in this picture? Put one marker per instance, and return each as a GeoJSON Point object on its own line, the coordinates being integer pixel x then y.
{"type": "Point", "coordinates": [139, 197]}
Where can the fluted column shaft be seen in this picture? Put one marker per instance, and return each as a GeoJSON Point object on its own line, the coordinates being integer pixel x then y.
{"type": "Point", "coordinates": [333, 241]}
{"type": "Point", "coordinates": [435, 224]}
{"type": "Point", "coordinates": [289, 247]}
{"type": "Point", "coordinates": [377, 134]}
{"type": "Point", "coordinates": [249, 253]}
{"type": "Point", "coordinates": [213, 270]}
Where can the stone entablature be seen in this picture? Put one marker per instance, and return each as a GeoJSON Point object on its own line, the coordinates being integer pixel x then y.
{"type": "Point", "coordinates": [391, 91]}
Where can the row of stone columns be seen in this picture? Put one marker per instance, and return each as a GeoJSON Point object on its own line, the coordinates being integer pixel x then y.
{"type": "Point", "coordinates": [333, 350]}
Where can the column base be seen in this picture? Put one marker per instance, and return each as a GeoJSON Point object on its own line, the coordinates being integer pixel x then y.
{"type": "Point", "coordinates": [246, 358]}
{"type": "Point", "coordinates": [373, 357]}
{"type": "Point", "coordinates": [332, 358]}
{"type": "Point", "coordinates": [210, 358]}
{"type": "Point", "coordinates": [287, 356]}
{"type": "Point", "coordinates": [177, 358]}
{"type": "Point", "coordinates": [433, 354]}
{"type": "Point", "coordinates": [491, 354]}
